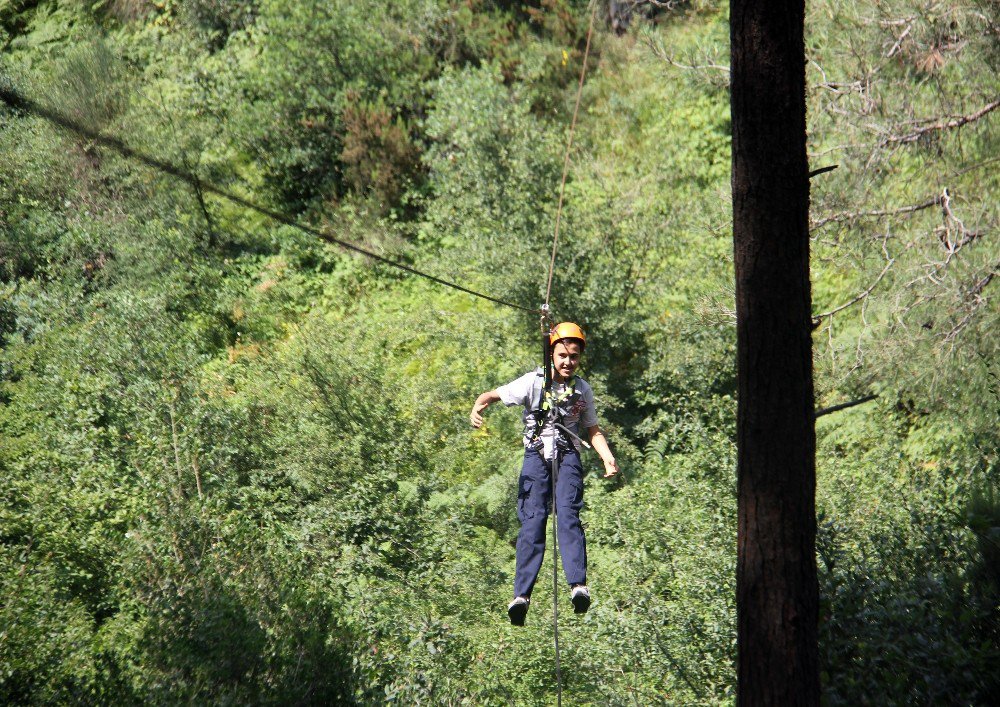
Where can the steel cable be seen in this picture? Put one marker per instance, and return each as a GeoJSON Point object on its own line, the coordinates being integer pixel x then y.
{"type": "Point", "coordinates": [18, 102]}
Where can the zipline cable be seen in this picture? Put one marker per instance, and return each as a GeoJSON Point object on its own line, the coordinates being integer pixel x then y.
{"type": "Point", "coordinates": [569, 147]}
{"type": "Point", "coordinates": [18, 102]}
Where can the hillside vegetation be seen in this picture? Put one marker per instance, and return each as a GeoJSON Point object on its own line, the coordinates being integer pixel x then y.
{"type": "Point", "coordinates": [236, 465]}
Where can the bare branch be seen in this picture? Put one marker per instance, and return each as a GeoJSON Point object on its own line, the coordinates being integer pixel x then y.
{"type": "Point", "coordinates": [976, 166]}
{"type": "Point", "coordinates": [691, 67]}
{"type": "Point", "coordinates": [899, 41]}
{"type": "Point", "coordinates": [895, 23]}
{"type": "Point", "coordinates": [961, 325]}
{"type": "Point", "coordinates": [967, 236]}
{"type": "Point", "coordinates": [818, 318]}
{"type": "Point", "coordinates": [844, 406]}
{"type": "Point", "coordinates": [823, 170]}
{"type": "Point", "coordinates": [660, 53]}
{"type": "Point", "coordinates": [940, 126]}
{"type": "Point", "coordinates": [855, 215]}
{"type": "Point", "coordinates": [978, 288]}
{"type": "Point", "coordinates": [976, 301]}
{"type": "Point", "coordinates": [933, 270]}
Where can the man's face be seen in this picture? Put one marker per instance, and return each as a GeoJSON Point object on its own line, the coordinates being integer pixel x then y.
{"type": "Point", "coordinates": [566, 358]}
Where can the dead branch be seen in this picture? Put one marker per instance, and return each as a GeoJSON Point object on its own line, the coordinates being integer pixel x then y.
{"type": "Point", "coordinates": [939, 126]}
{"type": "Point", "coordinates": [660, 53]}
{"type": "Point", "coordinates": [978, 288]}
{"type": "Point", "coordinates": [966, 235]}
{"type": "Point", "coordinates": [894, 23]}
{"type": "Point", "coordinates": [690, 67]}
{"type": "Point", "coordinates": [855, 215]}
{"type": "Point", "coordinates": [952, 246]}
{"type": "Point", "coordinates": [844, 406]}
{"type": "Point", "coordinates": [976, 301]}
{"type": "Point", "coordinates": [976, 166]}
{"type": "Point", "coordinates": [899, 41]}
{"type": "Point", "coordinates": [823, 170]}
{"type": "Point", "coordinates": [818, 318]}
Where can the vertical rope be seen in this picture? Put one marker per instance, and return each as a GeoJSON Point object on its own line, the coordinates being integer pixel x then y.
{"type": "Point", "coordinates": [569, 146]}
{"type": "Point", "coordinates": [555, 572]}
{"type": "Point", "coordinates": [554, 473]}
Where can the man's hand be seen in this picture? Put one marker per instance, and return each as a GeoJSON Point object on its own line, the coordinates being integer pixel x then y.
{"type": "Point", "coordinates": [482, 402]}
{"type": "Point", "coordinates": [476, 416]}
{"type": "Point", "coordinates": [601, 447]}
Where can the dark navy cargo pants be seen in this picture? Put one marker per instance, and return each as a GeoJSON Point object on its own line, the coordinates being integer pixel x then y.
{"type": "Point", "coordinates": [534, 492]}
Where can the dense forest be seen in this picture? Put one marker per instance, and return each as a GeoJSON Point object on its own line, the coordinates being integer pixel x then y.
{"type": "Point", "coordinates": [236, 464]}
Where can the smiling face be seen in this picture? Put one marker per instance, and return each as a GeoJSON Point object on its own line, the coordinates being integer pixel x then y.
{"type": "Point", "coordinates": [566, 359]}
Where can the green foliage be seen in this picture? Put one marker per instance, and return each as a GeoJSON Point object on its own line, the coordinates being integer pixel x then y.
{"type": "Point", "coordinates": [493, 174]}
{"type": "Point", "coordinates": [236, 465]}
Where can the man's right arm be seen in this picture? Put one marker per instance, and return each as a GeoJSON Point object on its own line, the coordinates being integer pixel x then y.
{"type": "Point", "coordinates": [482, 402]}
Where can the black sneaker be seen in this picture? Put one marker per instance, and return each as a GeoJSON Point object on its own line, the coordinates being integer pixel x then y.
{"type": "Point", "coordinates": [517, 610]}
{"type": "Point", "coordinates": [580, 596]}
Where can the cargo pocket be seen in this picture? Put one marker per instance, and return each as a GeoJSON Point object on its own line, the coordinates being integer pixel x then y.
{"type": "Point", "coordinates": [525, 509]}
{"type": "Point", "coordinates": [574, 494]}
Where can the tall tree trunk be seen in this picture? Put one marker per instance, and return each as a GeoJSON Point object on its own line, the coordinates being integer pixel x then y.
{"type": "Point", "coordinates": [777, 595]}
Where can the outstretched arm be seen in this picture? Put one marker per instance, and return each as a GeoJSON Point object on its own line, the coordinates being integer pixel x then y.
{"type": "Point", "coordinates": [601, 447]}
{"type": "Point", "coordinates": [482, 402]}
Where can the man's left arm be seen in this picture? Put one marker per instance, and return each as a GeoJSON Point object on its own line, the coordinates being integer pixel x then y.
{"type": "Point", "coordinates": [601, 447]}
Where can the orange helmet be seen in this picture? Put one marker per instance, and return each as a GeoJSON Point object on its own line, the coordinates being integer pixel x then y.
{"type": "Point", "coordinates": [568, 330]}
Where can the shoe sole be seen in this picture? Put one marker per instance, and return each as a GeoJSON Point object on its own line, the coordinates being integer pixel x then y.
{"type": "Point", "coordinates": [581, 602]}
{"type": "Point", "coordinates": [517, 614]}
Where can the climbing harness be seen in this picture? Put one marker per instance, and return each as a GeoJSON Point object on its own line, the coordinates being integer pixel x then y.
{"type": "Point", "coordinates": [537, 418]}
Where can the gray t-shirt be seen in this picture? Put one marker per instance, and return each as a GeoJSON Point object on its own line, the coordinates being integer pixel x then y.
{"type": "Point", "coordinates": [575, 399]}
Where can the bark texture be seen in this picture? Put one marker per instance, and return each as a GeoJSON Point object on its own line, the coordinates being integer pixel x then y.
{"type": "Point", "coordinates": [777, 595]}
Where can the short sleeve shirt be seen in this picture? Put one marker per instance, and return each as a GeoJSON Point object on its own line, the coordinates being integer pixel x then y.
{"type": "Point", "coordinates": [579, 411]}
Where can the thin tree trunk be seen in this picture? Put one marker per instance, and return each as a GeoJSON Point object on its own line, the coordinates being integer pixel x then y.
{"type": "Point", "coordinates": [777, 596]}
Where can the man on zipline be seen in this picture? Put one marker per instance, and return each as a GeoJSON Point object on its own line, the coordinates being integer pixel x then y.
{"type": "Point", "coordinates": [573, 400]}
